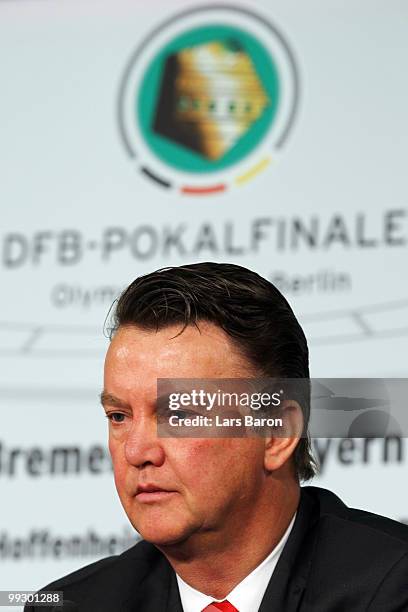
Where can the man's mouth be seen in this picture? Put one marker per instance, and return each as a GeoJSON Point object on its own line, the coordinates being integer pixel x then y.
{"type": "Point", "coordinates": [152, 493]}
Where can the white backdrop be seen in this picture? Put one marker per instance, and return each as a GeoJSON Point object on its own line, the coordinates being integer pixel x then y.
{"type": "Point", "coordinates": [80, 221]}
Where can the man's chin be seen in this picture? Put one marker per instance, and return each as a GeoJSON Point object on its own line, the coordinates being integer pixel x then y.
{"type": "Point", "coordinates": [165, 540]}
{"type": "Point", "coordinates": [163, 533]}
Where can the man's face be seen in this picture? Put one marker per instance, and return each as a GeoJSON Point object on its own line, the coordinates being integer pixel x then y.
{"type": "Point", "coordinates": [208, 485]}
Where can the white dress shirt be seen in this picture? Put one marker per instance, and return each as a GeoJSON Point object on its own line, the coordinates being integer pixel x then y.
{"type": "Point", "coordinates": [245, 596]}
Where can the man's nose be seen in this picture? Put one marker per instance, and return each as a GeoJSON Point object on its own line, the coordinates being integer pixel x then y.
{"type": "Point", "coordinates": [143, 446]}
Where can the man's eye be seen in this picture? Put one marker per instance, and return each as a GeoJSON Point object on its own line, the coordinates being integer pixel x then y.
{"type": "Point", "coordinates": [182, 414]}
{"type": "Point", "coordinates": [116, 417]}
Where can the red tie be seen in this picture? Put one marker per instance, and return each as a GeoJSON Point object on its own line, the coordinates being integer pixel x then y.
{"type": "Point", "coordinates": [224, 606]}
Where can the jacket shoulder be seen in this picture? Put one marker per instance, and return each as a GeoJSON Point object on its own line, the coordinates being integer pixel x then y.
{"type": "Point", "coordinates": [368, 524]}
{"type": "Point", "coordinates": [141, 554]}
{"type": "Point", "coordinates": [88, 571]}
{"type": "Point", "coordinates": [359, 558]}
{"type": "Point", "coordinates": [102, 579]}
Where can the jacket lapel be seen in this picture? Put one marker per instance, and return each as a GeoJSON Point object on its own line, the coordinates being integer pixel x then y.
{"type": "Point", "coordinates": [288, 582]}
{"type": "Point", "coordinates": [174, 601]}
{"type": "Point", "coordinates": [156, 592]}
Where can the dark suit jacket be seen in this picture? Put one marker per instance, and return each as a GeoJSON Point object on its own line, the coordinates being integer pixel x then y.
{"type": "Point", "coordinates": [336, 559]}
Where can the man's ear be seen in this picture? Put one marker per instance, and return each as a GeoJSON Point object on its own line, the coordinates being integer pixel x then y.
{"type": "Point", "coordinates": [283, 439]}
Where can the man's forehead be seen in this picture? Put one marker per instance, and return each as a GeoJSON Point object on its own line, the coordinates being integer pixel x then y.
{"type": "Point", "coordinates": [204, 350]}
{"type": "Point", "coordinates": [204, 336]}
{"type": "Point", "coordinates": [174, 332]}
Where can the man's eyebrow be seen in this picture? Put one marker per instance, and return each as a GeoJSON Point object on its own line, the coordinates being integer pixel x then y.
{"type": "Point", "coordinates": [107, 399]}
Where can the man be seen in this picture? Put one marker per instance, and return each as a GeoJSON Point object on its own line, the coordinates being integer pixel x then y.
{"type": "Point", "coordinates": [225, 523]}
